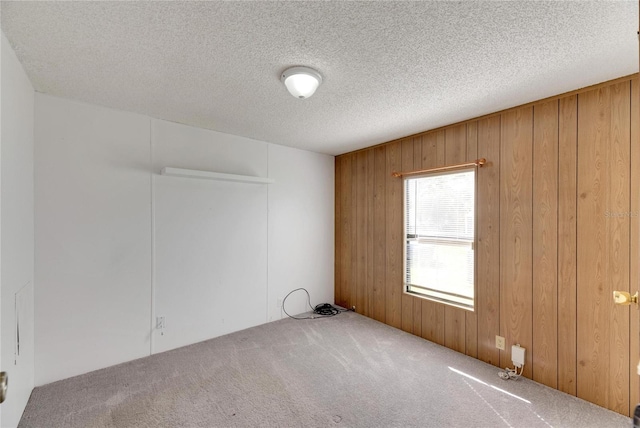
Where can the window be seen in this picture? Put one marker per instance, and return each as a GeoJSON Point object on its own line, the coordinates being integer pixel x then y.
{"type": "Point", "coordinates": [439, 218]}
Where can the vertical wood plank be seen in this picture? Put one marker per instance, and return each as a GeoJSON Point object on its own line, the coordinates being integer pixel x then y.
{"type": "Point", "coordinates": [567, 221]}
{"type": "Point", "coordinates": [338, 232]}
{"type": "Point", "coordinates": [440, 148]}
{"type": "Point", "coordinates": [593, 325]}
{"type": "Point", "coordinates": [592, 297]}
{"type": "Point", "coordinates": [408, 156]}
{"type": "Point", "coordinates": [432, 313]}
{"type": "Point", "coordinates": [472, 141]}
{"type": "Point", "coordinates": [393, 245]}
{"type": "Point", "coordinates": [379, 233]}
{"type": "Point", "coordinates": [361, 231]}
{"type": "Point", "coordinates": [619, 249]}
{"type": "Point", "coordinates": [428, 151]}
{"type": "Point", "coordinates": [634, 235]}
{"type": "Point", "coordinates": [603, 245]}
{"type": "Point", "coordinates": [471, 318]}
{"type": "Point", "coordinates": [516, 233]}
{"type": "Point", "coordinates": [455, 142]}
{"type": "Point", "coordinates": [488, 257]}
{"type": "Point", "coordinates": [455, 318]}
{"type": "Point", "coordinates": [370, 185]}
{"type": "Point", "coordinates": [545, 243]}
{"type": "Point", "coordinates": [353, 266]}
{"type": "Point", "coordinates": [346, 222]}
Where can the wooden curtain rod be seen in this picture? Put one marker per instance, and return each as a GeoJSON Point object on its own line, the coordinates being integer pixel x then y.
{"type": "Point", "coordinates": [477, 162]}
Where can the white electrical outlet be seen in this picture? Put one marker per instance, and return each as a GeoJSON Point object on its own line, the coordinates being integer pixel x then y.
{"type": "Point", "coordinates": [517, 355]}
{"type": "Point", "coordinates": [159, 323]}
{"type": "Point", "coordinates": [500, 342]}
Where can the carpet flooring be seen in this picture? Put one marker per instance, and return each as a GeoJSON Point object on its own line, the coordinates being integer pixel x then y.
{"type": "Point", "coordinates": [345, 371]}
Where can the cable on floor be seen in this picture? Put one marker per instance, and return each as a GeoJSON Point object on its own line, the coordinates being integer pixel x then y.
{"type": "Point", "coordinates": [509, 373]}
{"type": "Point", "coordinates": [322, 310]}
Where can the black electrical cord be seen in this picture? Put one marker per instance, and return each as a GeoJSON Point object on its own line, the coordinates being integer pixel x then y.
{"type": "Point", "coordinates": [323, 310]}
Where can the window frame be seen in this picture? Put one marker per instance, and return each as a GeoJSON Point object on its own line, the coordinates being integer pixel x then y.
{"type": "Point", "coordinates": [474, 242]}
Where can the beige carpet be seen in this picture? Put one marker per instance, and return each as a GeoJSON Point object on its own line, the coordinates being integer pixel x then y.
{"type": "Point", "coordinates": [345, 371]}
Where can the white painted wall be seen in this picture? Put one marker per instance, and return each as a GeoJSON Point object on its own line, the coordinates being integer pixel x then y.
{"type": "Point", "coordinates": [301, 229]}
{"type": "Point", "coordinates": [210, 236]}
{"type": "Point", "coordinates": [93, 234]}
{"type": "Point", "coordinates": [117, 244]}
{"type": "Point", "coordinates": [2, 48]}
{"type": "Point", "coordinates": [16, 214]}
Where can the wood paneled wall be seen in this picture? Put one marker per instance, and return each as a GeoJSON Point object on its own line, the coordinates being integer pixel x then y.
{"type": "Point", "coordinates": [557, 227]}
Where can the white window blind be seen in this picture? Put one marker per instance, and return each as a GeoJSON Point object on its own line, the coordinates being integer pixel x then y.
{"type": "Point", "coordinates": [440, 234]}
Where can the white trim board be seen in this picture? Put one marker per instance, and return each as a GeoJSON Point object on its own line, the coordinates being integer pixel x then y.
{"type": "Point", "coordinates": [209, 175]}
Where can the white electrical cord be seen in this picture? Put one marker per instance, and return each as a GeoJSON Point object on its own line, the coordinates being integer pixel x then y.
{"type": "Point", "coordinates": [511, 373]}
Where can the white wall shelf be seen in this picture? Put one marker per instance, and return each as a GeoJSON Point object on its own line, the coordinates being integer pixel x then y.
{"type": "Point", "coordinates": [208, 175]}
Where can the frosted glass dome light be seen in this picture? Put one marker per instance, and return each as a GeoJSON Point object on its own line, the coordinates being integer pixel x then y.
{"type": "Point", "coordinates": [301, 82]}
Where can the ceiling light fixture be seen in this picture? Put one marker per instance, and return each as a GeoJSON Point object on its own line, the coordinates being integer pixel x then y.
{"type": "Point", "coordinates": [301, 82]}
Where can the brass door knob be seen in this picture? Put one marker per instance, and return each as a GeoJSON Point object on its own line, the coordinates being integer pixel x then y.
{"type": "Point", "coordinates": [4, 384]}
{"type": "Point", "coordinates": [624, 298]}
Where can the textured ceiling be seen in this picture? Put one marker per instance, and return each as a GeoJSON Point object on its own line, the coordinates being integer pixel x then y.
{"type": "Point", "coordinates": [390, 69]}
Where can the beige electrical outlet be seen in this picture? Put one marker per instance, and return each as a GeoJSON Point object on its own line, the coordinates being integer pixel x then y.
{"type": "Point", "coordinates": [500, 342]}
